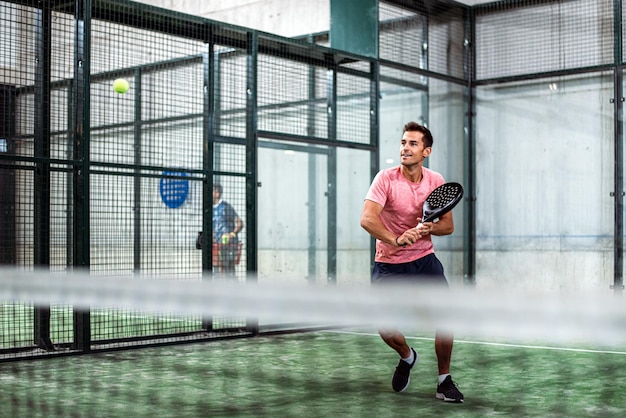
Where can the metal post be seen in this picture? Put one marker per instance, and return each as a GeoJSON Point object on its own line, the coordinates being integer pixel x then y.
{"type": "Point", "coordinates": [331, 192]}
{"type": "Point", "coordinates": [312, 179]}
{"type": "Point", "coordinates": [137, 204]}
{"type": "Point", "coordinates": [209, 127]}
{"type": "Point", "coordinates": [469, 233]}
{"type": "Point", "coordinates": [618, 194]}
{"type": "Point", "coordinates": [42, 165]}
{"type": "Point", "coordinates": [81, 174]}
{"type": "Point", "coordinates": [252, 140]}
{"type": "Point", "coordinates": [374, 136]}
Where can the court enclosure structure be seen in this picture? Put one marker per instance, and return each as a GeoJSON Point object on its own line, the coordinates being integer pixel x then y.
{"type": "Point", "coordinates": [524, 98]}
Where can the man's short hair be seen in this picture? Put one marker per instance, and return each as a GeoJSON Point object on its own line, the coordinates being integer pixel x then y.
{"type": "Point", "coordinates": [414, 126]}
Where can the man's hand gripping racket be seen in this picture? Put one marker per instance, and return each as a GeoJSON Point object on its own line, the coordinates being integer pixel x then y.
{"type": "Point", "coordinates": [441, 201]}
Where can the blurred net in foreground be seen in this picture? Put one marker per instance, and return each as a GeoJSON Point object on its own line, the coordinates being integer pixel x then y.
{"type": "Point", "coordinates": [588, 316]}
{"type": "Point", "coordinates": [515, 354]}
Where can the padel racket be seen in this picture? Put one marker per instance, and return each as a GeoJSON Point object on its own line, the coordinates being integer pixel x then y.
{"type": "Point", "coordinates": [441, 201]}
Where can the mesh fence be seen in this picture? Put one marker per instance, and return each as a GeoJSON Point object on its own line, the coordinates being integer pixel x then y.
{"type": "Point", "coordinates": [293, 85]}
{"type": "Point", "coordinates": [121, 182]}
{"type": "Point", "coordinates": [230, 94]}
{"type": "Point", "coordinates": [429, 37]}
{"type": "Point", "coordinates": [529, 37]}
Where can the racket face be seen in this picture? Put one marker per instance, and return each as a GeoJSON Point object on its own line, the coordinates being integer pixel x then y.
{"type": "Point", "coordinates": [442, 200]}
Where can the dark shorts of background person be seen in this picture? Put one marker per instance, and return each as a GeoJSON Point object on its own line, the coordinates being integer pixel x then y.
{"type": "Point", "coordinates": [427, 270]}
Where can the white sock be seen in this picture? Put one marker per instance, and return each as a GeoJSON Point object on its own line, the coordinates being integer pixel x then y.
{"type": "Point", "coordinates": [412, 357]}
{"type": "Point", "coordinates": [442, 377]}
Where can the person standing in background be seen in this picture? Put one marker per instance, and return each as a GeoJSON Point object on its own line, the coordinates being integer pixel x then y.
{"type": "Point", "coordinates": [226, 226]}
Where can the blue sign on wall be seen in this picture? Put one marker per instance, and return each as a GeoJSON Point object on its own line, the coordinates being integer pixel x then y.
{"type": "Point", "coordinates": [174, 191]}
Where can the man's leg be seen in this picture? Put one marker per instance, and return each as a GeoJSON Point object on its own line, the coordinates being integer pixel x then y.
{"type": "Point", "coordinates": [390, 273]}
{"type": "Point", "coordinates": [446, 388]}
{"type": "Point", "coordinates": [443, 349]}
{"type": "Point", "coordinates": [395, 339]}
{"type": "Point", "coordinates": [432, 273]}
{"type": "Point", "coordinates": [228, 260]}
{"type": "Point", "coordinates": [408, 358]}
{"type": "Point", "coordinates": [229, 271]}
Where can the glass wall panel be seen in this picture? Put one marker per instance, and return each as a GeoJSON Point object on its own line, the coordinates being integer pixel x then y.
{"type": "Point", "coordinates": [353, 242]}
{"type": "Point", "coordinates": [402, 99]}
{"type": "Point", "coordinates": [440, 106]}
{"type": "Point", "coordinates": [544, 181]}
{"type": "Point", "coordinates": [446, 110]}
{"type": "Point", "coordinates": [292, 212]}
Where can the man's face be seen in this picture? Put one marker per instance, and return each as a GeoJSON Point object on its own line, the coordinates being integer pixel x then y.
{"type": "Point", "coordinates": [412, 150]}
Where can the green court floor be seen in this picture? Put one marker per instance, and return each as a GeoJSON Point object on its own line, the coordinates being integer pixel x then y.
{"type": "Point", "coordinates": [319, 374]}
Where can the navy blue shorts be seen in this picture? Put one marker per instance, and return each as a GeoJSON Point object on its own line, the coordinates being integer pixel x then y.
{"type": "Point", "coordinates": [426, 270]}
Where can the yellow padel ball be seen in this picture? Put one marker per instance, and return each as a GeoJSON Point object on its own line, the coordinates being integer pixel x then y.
{"type": "Point", "coordinates": [121, 86]}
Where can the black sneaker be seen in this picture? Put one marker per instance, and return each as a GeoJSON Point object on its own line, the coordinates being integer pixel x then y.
{"type": "Point", "coordinates": [401, 377]}
{"type": "Point", "coordinates": [448, 392]}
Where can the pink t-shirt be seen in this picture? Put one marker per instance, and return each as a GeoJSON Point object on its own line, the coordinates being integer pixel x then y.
{"type": "Point", "coordinates": [402, 202]}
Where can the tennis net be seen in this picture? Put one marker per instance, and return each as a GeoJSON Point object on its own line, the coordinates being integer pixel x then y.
{"type": "Point", "coordinates": [340, 366]}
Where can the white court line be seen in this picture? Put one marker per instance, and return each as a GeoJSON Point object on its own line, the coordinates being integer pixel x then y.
{"type": "Point", "coordinates": [535, 347]}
